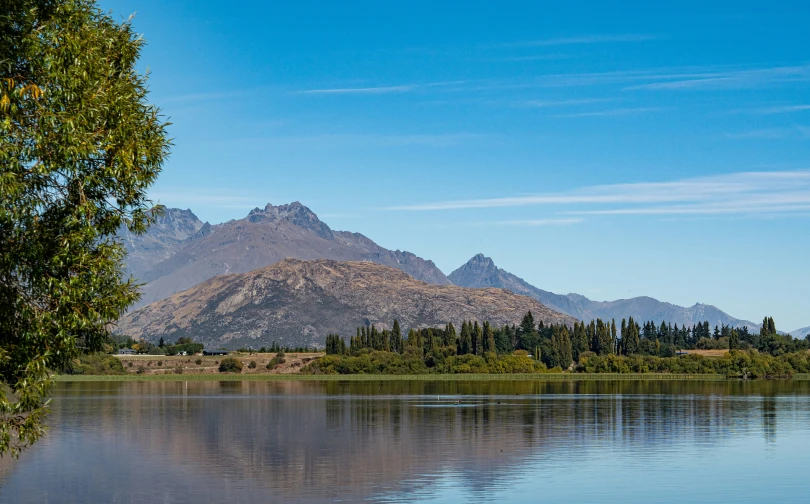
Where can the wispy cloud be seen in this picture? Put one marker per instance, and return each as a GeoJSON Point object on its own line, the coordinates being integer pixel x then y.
{"type": "Point", "coordinates": [557, 221]}
{"type": "Point", "coordinates": [357, 90]}
{"type": "Point", "coordinates": [728, 79]}
{"type": "Point", "coordinates": [586, 39]}
{"type": "Point", "coordinates": [530, 57]}
{"type": "Point", "coordinates": [356, 140]}
{"type": "Point", "coordinates": [562, 103]}
{"type": "Point", "coordinates": [666, 78]}
{"type": "Point", "coordinates": [611, 112]}
{"type": "Point", "coordinates": [766, 133]}
{"type": "Point", "coordinates": [771, 133]}
{"type": "Point", "coordinates": [784, 109]}
{"type": "Point", "coordinates": [753, 193]}
{"type": "Point", "coordinates": [539, 222]}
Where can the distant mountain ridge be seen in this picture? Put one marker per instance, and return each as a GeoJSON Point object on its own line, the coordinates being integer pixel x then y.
{"type": "Point", "coordinates": [161, 241]}
{"type": "Point", "coordinates": [481, 271]}
{"type": "Point", "coordinates": [299, 302]}
{"type": "Point", "coordinates": [180, 251]}
{"type": "Point", "coordinates": [801, 333]}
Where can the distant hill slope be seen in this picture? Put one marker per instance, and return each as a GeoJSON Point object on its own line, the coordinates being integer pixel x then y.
{"type": "Point", "coordinates": [162, 240]}
{"type": "Point", "coordinates": [299, 302]}
{"type": "Point", "coordinates": [263, 237]}
{"type": "Point", "coordinates": [480, 271]}
{"type": "Point", "coordinates": [801, 333]}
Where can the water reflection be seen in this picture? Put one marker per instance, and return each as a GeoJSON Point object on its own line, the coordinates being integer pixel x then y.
{"type": "Point", "coordinates": [404, 441]}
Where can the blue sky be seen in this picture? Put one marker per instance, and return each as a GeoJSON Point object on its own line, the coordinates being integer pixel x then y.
{"type": "Point", "coordinates": [613, 151]}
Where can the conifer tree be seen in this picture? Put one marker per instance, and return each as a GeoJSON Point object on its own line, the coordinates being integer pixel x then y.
{"type": "Point", "coordinates": [450, 336]}
{"type": "Point", "coordinates": [478, 339]}
{"type": "Point", "coordinates": [427, 339]}
{"type": "Point", "coordinates": [527, 325]}
{"type": "Point", "coordinates": [613, 339]}
{"type": "Point", "coordinates": [396, 337]}
{"type": "Point", "coordinates": [465, 342]}
{"type": "Point", "coordinates": [734, 340]}
{"type": "Point", "coordinates": [566, 352]}
{"type": "Point", "coordinates": [489, 338]}
{"type": "Point", "coordinates": [623, 344]}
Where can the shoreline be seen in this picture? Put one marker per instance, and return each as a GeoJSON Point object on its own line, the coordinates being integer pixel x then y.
{"type": "Point", "coordinates": [421, 377]}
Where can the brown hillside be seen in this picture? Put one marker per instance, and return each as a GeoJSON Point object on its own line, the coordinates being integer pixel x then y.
{"type": "Point", "coordinates": [297, 302]}
{"type": "Point", "coordinates": [264, 237]}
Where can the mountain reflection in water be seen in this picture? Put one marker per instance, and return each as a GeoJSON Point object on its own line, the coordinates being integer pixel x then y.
{"type": "Point", "coordinates": [650, 441]}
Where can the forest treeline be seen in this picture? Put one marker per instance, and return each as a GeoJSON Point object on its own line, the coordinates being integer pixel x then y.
{"type": "Point", "coordinates": [597, 346]}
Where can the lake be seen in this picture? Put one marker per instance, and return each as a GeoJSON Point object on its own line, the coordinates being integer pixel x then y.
{"type": "Point", "coordinates": [408, 441]}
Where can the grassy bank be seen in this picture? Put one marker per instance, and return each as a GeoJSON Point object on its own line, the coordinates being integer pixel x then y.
{"type": "Point", "coordinates": [419, 377]}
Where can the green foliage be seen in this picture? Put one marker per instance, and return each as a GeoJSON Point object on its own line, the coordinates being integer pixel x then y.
{"type": "Point", "coordinates": [97, 364]}
{"type": "Point", "coordinates": [369, 362]}
{"type": "Point", "coordinates": [252, 364]}
{"type": "Point", "coordinates": [230, 365]}
{"type": "Point", "coordinates": [597, 347]}
{"type": "Point", "coordinates": [376, 362]}
{"type": "Point", "coordinates": [734, 364]}
{"type": "Point", "coordinates": [561, 350]}
{"type": "Point", "coordinates": [79, 147]}
{"type": "Point", "coordinates": [189, 347]}
{"type": "Point", "coordinates": [276, 361]}
{"type": "Point", "coordinates": [335, 345]}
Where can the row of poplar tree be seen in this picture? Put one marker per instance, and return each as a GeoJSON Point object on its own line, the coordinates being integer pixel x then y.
{"type": "Point", "coordinates": [557, 344]}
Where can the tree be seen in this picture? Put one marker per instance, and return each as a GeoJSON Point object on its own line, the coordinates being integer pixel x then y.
{"type": "Point", "coordinates": [396, 338]}
{"type": "Point", "coordinates": [478, 339]}
{"type": "Point", "coordinates": [734, 340]}
{"type": "Point", "coordinates": [489, 338]}
{"type": "Point", "coordinates": [230, 365]}
{"type": "Point", "coordinates": [79, 147]}
{"type": "Point", "coordinates": [579, 344]}
{"type": "Point", "coordinates": [613, 339]}
{"type": "Point", "coordinates": [560, 347]}
{"type": "Point", "coordinates": [465, 341]}
{"type": "Point", "coordinates": [527, 326]}
{"type": "Point", "coordinates": [450, 336]}
{"type": "Point", "coordinates": [630, 337]}
{"type": "Point", "coordinates": [161, 343]}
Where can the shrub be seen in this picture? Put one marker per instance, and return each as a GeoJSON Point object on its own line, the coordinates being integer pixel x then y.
{"type": "Point", "coordinates": [141, 370]}
{"type": "Point", "coordinates": [230, 365]}
{"type": "Point", "coordinates": [252, 364]}
{"type": "Point", "coordinates": [178, 370]}
{"type": "Point", "coordinates": [160, 363]}
{"type": "Point", "coordinates": [276, 361]}
{"type": "Point", "coordinates": [198, 361]}
{"type": "Point", "coordinates": [129, 364]}
{"type": "Point", "coordinates": [97, 364]}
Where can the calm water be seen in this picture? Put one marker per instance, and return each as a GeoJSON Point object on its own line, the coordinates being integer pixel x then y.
{"type": "Point", "coordinates": [256, 442]}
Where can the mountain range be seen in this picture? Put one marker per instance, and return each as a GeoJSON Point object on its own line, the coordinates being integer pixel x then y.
{"type": "Point", "coordinates": [297, 302]}
{"type": "Point", "coordinates": [180, 252]}
{"type": "Point", "coordinates": [481, 271]}
{"type": "Point", "coordinates": [801, 333]}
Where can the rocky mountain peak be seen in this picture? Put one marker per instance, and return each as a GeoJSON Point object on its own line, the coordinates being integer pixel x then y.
{"type": "Point", "coordinates": [480, 271]}
{"type": "Point", "coordinates": [481, 261]}
{"type": "Point", "coordinates": [295, 213]}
